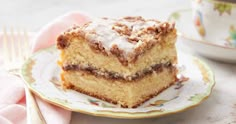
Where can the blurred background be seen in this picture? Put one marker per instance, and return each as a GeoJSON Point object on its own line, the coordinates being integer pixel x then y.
{"type": "Point", "coordinates": [33, 14]}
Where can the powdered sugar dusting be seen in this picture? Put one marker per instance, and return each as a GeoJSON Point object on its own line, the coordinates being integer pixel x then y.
{"type": "Point", "coordinates": [108, 37]}
{"type": "Point", "coordinates": [110, 32]}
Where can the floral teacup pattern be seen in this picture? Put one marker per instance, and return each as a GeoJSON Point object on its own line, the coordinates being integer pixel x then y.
{"type": "Point", "coordinates": [215, 21]}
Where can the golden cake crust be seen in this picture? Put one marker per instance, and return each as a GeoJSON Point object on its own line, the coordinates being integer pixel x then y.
{"type": "Point", "coordinates": [124, 61]}
{"type": "Point", "coordinates": [109, 83]}
{"type": "Point", "coordinates": [67, 85]}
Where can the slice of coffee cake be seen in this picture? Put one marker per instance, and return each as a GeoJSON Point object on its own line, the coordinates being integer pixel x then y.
{"type": "Point", "coordinates": [123, 61]}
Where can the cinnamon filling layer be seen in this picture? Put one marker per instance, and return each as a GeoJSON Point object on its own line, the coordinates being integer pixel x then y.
{"type": "Point", "coordinates": [117, 76]}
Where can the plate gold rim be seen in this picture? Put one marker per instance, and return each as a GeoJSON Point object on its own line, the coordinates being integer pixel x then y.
{"type": "Point", "coordinates": [121, 115]}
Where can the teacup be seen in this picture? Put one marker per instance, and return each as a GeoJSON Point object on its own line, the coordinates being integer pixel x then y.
{"type": "Point", "coordinates": [215, 20]}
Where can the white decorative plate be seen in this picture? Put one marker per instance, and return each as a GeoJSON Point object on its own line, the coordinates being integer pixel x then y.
{"type": "Point", "coordinates": [42, 76]}
{"type": "Point", "coordinates": [219, 50]}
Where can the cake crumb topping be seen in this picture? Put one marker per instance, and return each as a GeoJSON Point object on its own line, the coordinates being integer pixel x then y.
{"type": "Point", "coordinates": [125, 37]}
{"type": "Point", "coordinates": [127, 33]}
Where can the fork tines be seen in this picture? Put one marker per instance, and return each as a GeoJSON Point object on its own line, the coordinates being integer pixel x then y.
{"type": "Point", "coordinates": [15, 47]}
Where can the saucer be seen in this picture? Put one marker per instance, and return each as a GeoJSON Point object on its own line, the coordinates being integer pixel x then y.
{"type": "Point", "coordinates": [189, 36]}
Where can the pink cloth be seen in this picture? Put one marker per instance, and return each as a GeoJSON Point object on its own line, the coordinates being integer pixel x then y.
{"type": "Point", "coordinates": [12, 94]}
{"type": "Point", "coordinates": [48, 35]}
{"type": "Point", "coordinates": [12, 100]}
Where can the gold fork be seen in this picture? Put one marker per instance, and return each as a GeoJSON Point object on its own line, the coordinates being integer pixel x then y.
{"type": "Point", "coordinates": [15, 51]}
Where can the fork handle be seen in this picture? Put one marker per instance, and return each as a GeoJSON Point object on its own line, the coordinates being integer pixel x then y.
{"type": "Point", "coordinates": [33, 113]}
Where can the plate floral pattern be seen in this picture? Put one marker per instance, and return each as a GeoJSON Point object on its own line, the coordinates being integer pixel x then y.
{"type": "Point", "coordinates": [41, 73]}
